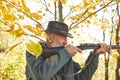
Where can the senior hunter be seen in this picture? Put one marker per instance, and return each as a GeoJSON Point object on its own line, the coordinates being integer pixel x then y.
{"type": "Point", "coordinates": [61, 66]}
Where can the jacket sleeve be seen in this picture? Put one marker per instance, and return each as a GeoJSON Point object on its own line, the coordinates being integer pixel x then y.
{"type": "Point", "coordinates": [90, 67]}
{"type": "Point", "coordinates": [44, 69]}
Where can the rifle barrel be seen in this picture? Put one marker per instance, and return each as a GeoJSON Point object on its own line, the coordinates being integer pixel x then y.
{"type": "Point", "coordinates": [54, 50]}
{"type": "Point", "coordinates": [94, 46]}
{"type": "Point", "coordinates": [88, 46]}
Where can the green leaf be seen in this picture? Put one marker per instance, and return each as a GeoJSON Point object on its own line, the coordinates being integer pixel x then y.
{"type": "Point", "coordinates": [105, 10]}
{"type": "Point", "coordinates": [35, 48]}
{"type": "Point", "coordinates": [20, 10]}
{"type": "Point", "coordinates": [28, 14]}
{"type": "Point", "coordinates": [86, 3]}
{"type": "Point", "coordinates": [113, 10]}
{"type": "Point", "coordinates": [88, 21]}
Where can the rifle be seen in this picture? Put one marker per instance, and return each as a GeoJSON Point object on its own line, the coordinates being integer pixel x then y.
{"type": "Point", "coordinates": [47, 52]}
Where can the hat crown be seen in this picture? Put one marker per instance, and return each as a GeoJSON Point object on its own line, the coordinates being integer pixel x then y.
{"type": "Point", "coordinates": [57, 27]}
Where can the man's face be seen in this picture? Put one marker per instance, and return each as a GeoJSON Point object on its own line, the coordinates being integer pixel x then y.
{"type": "Point", "coordinates": [55, 40]}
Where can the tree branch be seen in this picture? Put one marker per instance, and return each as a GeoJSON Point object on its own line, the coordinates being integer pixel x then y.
{"type": "Point", "coordinates": [46, 6]}
{"type": "Point", "coordinates": [80, 17]}
{"type": "Point", "coordinates": [12, 47]}
{"type": "Point", "coordinates": [26, 14]}
{"type": "Point", "coordinates": [67, 14]}
{"type": "Point", "coordinates": [91, 14]}
{"type": "Point", "coordinates": [31, 35]}
{"type": "Point", "coordinates": [4, 22]}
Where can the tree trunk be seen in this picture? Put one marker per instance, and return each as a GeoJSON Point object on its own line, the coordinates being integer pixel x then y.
{"type": "Point", "coordinates": [106, 57]}
{"type": "Point", "coordinates": [55, 11]}
{"type": "Point", "coordinates": [60, 11]}
{"type": "Point", "coordinates": [118, 59]}
{"type": "Point", "coordinates": [117, 69]}
{"type": "Point", "coordinates": [118, 43]}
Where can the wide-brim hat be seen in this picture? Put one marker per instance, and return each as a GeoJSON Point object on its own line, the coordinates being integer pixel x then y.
{"type": "Point", "coordinates": [59, 28]}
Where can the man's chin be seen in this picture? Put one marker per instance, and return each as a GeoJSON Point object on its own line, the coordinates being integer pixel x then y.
{"type": "Point", "coordinates": [54, 45]}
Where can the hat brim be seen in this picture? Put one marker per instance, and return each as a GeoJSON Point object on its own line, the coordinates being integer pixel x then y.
{"type": "Point", "coordinates": [70, 35]}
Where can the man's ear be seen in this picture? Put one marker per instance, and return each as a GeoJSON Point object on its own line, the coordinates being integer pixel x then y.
{"type": "Point", "coordinates": [49, 38]}
{"type": "Point", "coordinates": [65, 41]}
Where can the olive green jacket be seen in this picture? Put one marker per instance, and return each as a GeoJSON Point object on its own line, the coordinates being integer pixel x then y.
{"type": "Point", "coordinates": [59, 67]}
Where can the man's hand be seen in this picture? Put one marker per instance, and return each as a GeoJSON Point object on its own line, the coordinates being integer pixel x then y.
{"type": "Point", "coordinates": [103, 49]}
{"type": "Point", "coordinates": [72, 50]}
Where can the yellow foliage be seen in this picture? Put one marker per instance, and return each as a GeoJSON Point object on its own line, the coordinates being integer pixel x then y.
{"type": "Point", "coordinates": [28, 14]}
{"type": "Point", "coordinates": [78, 34]}
{"type": "Point", "coordinates": [30, 28]}
{"type": "Point", "coordinates": [49, 5]}
{"type": "Point", "coordinates": [20, 16]}
{"type": "Point", "coordinates": [119, 70]}
{"type": "Point", "coordinates": [39, 26]}
{"type": "Point", "coordinates": [45, 35]}
{"type": "Point", "coordinates": [11, 28]}
{"type": "Point", "coordinates": [86, 3]}
{"type": "Point", "coordinates": [37, 16]}
{"type": "Point", "coordinates": [15, 25]}
{"type": "Point", "coordinates": [17, 33]}
{"type": "Point", "coordinates": [6, 11]}
{"type": "Point", "coordinates": [38, 33]}
{"type": "Point", "coordinates": [118, 1]}
{"type": "Point", "coordinates": [115, 54]}
{"type": "Point", "coordinates": [16, 30]}
{"type": "Point", "coordinates": [1, 14]}
{"type": "Point", "coordinates": [9, 17]}
{"type": "Point", "coordinates": [34, 48]}
{"type": "Point", "coordinates": [38, 30]}
{"type": "Point", "coordinates": [0, 1]}
{"type": "Point", "coordinates": [26, 9]}
{"type": "Point", "coordinates": [63, 1]}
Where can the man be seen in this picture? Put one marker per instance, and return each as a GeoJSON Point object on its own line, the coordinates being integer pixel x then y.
{"type": "Point", "coordinates": [60, 66]}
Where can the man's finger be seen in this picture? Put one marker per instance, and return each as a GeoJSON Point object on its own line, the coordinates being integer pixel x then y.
{"type": "Point", "coordinates": [79, 50]}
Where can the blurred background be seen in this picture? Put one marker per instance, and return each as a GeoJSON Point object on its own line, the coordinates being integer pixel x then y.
{"type": "Point", "coordinates": [22, 25]}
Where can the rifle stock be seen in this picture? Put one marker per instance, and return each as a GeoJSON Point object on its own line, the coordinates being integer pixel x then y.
{"type": "Point", "coordinates": [47, 52]}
